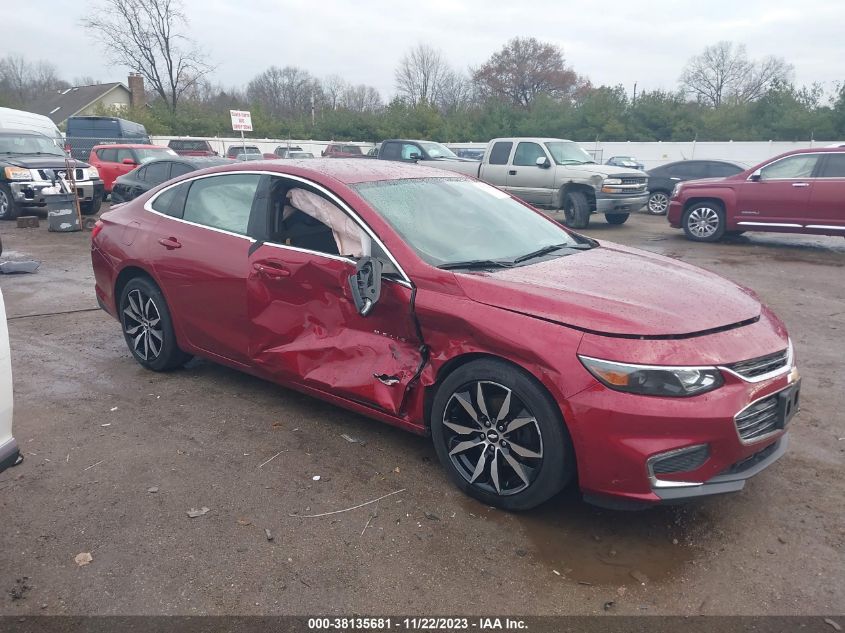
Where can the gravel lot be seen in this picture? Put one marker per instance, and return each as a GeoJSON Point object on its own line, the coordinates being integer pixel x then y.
{"type": "Point", "coordinates": [116, 456]}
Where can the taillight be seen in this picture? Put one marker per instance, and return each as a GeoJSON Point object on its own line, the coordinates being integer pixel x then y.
{"type": "Point", "coordinates": [96, 230]}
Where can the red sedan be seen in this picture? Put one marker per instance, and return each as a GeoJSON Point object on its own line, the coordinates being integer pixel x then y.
{"type": "Point", "coordinates": [444, 306]}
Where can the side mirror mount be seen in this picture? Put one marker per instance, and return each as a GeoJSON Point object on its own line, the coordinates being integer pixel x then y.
{"type": "Point", "coordinates": [415, 156]}
{"type": "Point", "coordinates": [757, 176]}
{"type": "Point", "coordinates": [365, 284]}
{"type": "Point", "coordinates": [542, 162]}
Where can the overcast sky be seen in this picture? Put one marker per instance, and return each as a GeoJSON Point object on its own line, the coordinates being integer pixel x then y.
{"type": "Point", "coordinates": [362, 40]}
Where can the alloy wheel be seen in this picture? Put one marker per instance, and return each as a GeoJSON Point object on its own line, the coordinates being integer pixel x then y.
{"type": "Point", "coordinates": [4, 204]}
{"type": "Point", "coordinates": [703, 222]}
{"type": "Point", "coordinates": [142, 325]}
{"type": "Point", "coordinates": [658, 202]}
{"type": "Point", "coordinates": [493, 439]}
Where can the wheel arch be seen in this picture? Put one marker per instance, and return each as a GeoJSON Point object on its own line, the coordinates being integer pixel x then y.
{"type": "Point", "coordinates": [572, 187]}
{"type": "Point", "coordinates": [125, 276]}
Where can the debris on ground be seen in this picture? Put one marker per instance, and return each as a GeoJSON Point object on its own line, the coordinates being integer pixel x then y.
{"type": "Point", "coordinates": [113, 409]}
{"type": "Point", "coordinates": [268, 534]}
{"type": "Point", "coordinates": [270, 460]}
{"type": "Point", "coordinates": [349, 438]}
{"type": "Point", "coordinates": [14, 268]}
{"type": "Point", "coordinates": [608, 605]}
{"type": "Point", "coordinates": [639, 576]}
{"type": "Point", "coordinates": [556, 572]}
{"type": "Point", "coordinates": [194, 513]}
{"type": "Point", "coordinates": [152, 489]}
{"type": "Point", "coordinates": [83, 558]}
{"type": "Point", "coordinates": [360, 505]}
{"type": "Point", "coordinates": [521, 552]}
{"type": "Point", "coordinates": [833, 623]}
{"type": "Point", "coordinates": [19, 591]}
{"type": "Point", "coordinates": [431, 517]}
{"type": "Point", "coordinates": [316, 477]}
{"type": "Point", "coordinates": [244, 522]}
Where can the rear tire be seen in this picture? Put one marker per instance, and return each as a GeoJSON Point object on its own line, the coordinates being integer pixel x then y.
{"type": "Point", "coordinates": [148, 326]}
{"type": "Point", "coordinates": [490, 417]}
{"type": "Point", "coordinates": [9, 209]}
{"type": "Point", "coordinates": [616, 218]}
{"type": "Point", "coordinates": [576, 210]}
{"type": "Point", "coordinates": [704, 222]}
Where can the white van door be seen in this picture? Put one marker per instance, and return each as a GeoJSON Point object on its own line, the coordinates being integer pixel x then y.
{"type": "Point", "coordinates": [9, 455]}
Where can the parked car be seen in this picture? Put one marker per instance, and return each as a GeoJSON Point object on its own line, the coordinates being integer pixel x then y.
{"type": "Point", "coordinates": [30, 164]}
{"type": "Point", "coordinates": [282, 151]}
{"type": "Point", "coordinates": [9, 453]}
{"type": "Point", "coordinates": [413, 151]}
{"type": "Point", "coordinates": [338, 150]}
{"type": "Point", "coordinates": [115, 160]}
{"type": "Point", "coordinates": [84, 132]}
{"type": "Point", "coordinates": [300, 155]}
{"type": "Point", "coordinates": [556, 174]}
{"type": "Point", "coordinates": [373, 151]}
{"type": "Point", "coordinates": [152, 174]}
{"type": "Point", "coordinates": [662, 180]}
{"type": "Point", "coordinates": [472, 154]}
{"type": "Point", "coordinates": [802, 191]}
{"type": "Point", "coordinates": [625, 161]}
{"type": "Point", "coordinates": [191, 147]}
{"type": "Point", "coordinates": [21, 121]}
{"type": "Point", "coordinates": [234, 150]}
{"type": "Point", "coordinates": [526, 351]}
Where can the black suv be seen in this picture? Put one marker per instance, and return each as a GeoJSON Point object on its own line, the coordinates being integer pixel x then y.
{"type": "Point", "coordinates": [31, 163]}
{"type": "Point", "coordinates": [662, 180]}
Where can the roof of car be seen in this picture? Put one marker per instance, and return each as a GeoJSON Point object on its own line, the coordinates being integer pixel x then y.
{"type": "Point", "coordinates": [128, 146]}
{"type": "Point", "coordinates": [21, 133]}
{"type": "Point", "coordinates": [349, 171]}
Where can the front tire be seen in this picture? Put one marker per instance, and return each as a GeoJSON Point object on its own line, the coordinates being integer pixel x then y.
{"type": "Point", "coordinates": [9, 209]}
{"type": "Point", "coordinates": [658, 203]}
{"type": "Point", "coordinates": [91, 208]}
{"type": "Point", "coordinates": [500, 436]}
{"type": "Point", "coordinates": [616, 218]}
{"type": "Point", "coordinates": [148, 326]}
{"type": "Point", "coordinates": [576, 210]}
{"type": "Point", "coordinates": [704, 222]}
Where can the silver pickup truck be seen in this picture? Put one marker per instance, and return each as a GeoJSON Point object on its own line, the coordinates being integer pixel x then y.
{"type": "Point", "coordinates": [555, 174]}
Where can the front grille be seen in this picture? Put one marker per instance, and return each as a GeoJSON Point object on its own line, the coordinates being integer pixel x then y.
{"type": "Point", "coordinates": [680, 462]}
{"type": "Point", "coordinates": [50, 174]}
{"type": "Point", "coordinates": [749, 462]}
{"type": "Point", "coordinates": [633, 180]}
{"type": "Point", "coordinates": [758, 419]}
{"type": "Point", "coordinates": [762, 365]}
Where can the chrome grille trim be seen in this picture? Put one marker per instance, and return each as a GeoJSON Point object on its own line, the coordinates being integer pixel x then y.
{"type": "Point", "coordinates": [763, 367]}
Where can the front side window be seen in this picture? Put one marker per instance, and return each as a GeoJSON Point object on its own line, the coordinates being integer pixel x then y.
{"type": "Point", "coordinates": [410, 152]}
{"type": "Point", "coordinates": [527, 154]}
{"type": "Point", "coordinates": [123, 154]}
{"type": "Point", "coordinates": [791, 167]}
{"type": "Point", "coordinates": [222, 202]}
{"type": "Point", "coordinates": [447, 220]}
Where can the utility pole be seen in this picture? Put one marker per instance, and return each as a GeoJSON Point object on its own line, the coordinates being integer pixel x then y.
{"type": "Point", "coordinates": [635, 93]}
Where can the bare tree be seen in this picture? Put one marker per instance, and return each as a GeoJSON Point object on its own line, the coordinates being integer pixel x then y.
{"type": "Point", "coordinates": [361, 98]}
{"type": "Point", "coordinates": [723, 73]}
{"type": "Point", "coordinates": [144, 35]}
{"type": "Point", "coordinates": [21, 81]}
{"type": "Point", "coordinates": [525, 68]}
{"type": "Point", "coordinates": [288, 91]}
{"type": "Point", "coordinates": [333, 88]}
{"type": "Point", "coordinates": [419, 76]}
{"type": "Point", "coordinates": [457, 92]}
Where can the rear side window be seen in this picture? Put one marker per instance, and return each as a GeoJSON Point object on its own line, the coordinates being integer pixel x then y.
{"type": "Point", "coordinates": [834, 166]}
{"type": "Point", "coordinates": [722, 170]}
{"type": "Point", "coordinates": [157, 173]}
{"type": "Point", "coordinates": [180, 169]}
{"type": "Point", "coordinates": [527, 154]}
{"type": "Point", "coordinates": [500, 153]}
{"type": "Point", "coordinates": [123, 154]}
{"type": "Point", "coordinates": [688, 170]}
{"type": "Point", "coordinates": [222, 202]}
{"type": "Point", "coordinates": [172, 201]}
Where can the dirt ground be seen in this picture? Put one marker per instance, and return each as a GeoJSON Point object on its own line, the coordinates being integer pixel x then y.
{"type": "Point", "coordinates": [116, 456]}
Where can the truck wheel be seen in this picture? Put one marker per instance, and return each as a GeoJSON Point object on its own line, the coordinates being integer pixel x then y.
{"type": "Point", "coordinates": [9, 210]}
{"type": "Point", "coordinates": [576, 210]}
{"type": "Point", "coordinates": [704, 222]}
{"type": "Point", "coordinates": [616, 218]}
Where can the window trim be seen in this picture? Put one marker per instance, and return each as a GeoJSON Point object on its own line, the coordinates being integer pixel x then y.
{"type": "Point", "coordinates": [818, 155]}
{"type": "Point", "coordinates": [405, 280]}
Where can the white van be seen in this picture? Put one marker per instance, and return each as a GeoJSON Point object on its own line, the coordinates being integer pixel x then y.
{"type": "Point", "coordinates": [19, 120]}
{"type": "Point", "coordinates": [9, 454]}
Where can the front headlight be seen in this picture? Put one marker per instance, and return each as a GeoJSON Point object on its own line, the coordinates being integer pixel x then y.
{"type": "Point", "coordinates": [92, 172]}
{"type": "Point", "coordinates": [676, 190]}
{"type": "Point", "coordinates": [649, 380]}
{"type": "Point", "coordinates": [613, 181]}
{"type": "Point", "coordinates": [18, 173]}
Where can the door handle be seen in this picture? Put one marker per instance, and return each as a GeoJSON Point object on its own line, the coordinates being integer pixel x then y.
{"type": "Point", "coordinates": [800, 184]}
{"type": "Point", "coordinates": [169, 243]}
{"type": "Point", "coordinates": [512, 172]}
{"type": "Point", "coordinates": [271, 269]}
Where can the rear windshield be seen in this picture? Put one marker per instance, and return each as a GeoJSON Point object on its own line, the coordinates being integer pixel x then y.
{"type": "Point", "coordinates": [191, 146]}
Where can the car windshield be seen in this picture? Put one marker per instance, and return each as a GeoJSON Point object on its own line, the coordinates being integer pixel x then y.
{"type": "Point", "coordinates": [448, 221]}
{"type": "Point", "coordinates": [145, 155]}
{"type": "Point", "coordinates": [568, 153]}
{"type": "Point", "coordinates": [28, 144]}
{"type": "Point", "coordinates": [436, 150]}
{"type": "Point", "coordinates": [351, 149]}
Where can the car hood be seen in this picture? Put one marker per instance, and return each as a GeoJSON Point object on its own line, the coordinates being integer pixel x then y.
{"type": "Point", "coordinates": [604, 170]}
{"type": "Point", "coordinates": [41, 162]}
{"type": "Point", "coordinates": [619, 291]}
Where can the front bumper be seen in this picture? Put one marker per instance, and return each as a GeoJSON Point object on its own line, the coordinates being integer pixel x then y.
{"type": "Point", "coordinates": [9, 454]}
{"type": "Point", "coordinates": [29, 193]}
{"type": "Point", "coordinates": [620, 203]}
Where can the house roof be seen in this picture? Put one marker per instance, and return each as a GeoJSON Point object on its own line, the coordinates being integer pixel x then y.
{"type": "Point", "coordinates": [66, 103]}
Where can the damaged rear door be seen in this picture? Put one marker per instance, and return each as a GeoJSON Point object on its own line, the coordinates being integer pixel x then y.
{"type": "Point", "coordinates": [305, 327]}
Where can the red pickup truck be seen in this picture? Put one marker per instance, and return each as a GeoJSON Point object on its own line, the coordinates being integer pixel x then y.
{"type": "Point", "coordinates": [802, 191]}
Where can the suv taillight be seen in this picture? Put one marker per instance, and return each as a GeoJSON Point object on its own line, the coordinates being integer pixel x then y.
{"type": "Point", "coordinates": [96, 230]}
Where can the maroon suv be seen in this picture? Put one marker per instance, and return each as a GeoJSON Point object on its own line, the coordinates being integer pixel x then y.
{"type": "Point", "coordinates": [802, 191]}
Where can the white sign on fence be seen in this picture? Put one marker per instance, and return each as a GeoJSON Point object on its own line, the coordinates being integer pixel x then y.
{"type": "Point", "coordinates": [241, 120]}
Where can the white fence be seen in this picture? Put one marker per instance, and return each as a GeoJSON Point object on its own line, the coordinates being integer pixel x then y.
{"type": "Point", "coordinates": [651, 154]}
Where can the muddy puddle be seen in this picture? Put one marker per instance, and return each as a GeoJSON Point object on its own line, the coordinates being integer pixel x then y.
{"type": "Point", "coordinates": [594, 546]}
